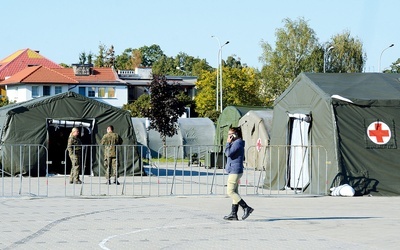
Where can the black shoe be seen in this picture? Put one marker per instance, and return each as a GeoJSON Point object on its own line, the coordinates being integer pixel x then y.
{"type": "Point", "coordinates": [247, 210]}
{"type": "Point", "coordinates": [233, 214]}
{"type": "Point", "coordinates": [70, 182]}
{"type": "Point", "coordinates": [116, 182]}
{"type": "Point", "coordinates": [78, 182]}
{"type": "Point", "coordinates": [108, 182]}
{"type": "Point", "coordinates": [231, 217]}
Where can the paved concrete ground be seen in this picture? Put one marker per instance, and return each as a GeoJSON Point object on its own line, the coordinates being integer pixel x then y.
{"type": "Point", "coordinates": [195, 222]}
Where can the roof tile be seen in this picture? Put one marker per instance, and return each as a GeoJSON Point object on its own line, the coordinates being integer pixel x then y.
{"type": "Point", "coordinates": [39, 74]}
{"type": "Point", "coordinates": [22, 59]}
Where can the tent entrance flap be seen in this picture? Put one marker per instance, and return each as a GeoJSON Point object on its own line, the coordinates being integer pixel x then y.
{"type": "Point", "coordinates": [298, 176]}
{"type": "Point", "coordinates": [58, 132]}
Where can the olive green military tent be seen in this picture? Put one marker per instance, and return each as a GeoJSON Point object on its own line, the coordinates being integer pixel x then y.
{"type": "Point", "coordinates": [256, 129]}
{"type": "Point", "coordinates": [230, 117]}
{"type": "Point", "coordinates": [47, 122]}
{"type": "Point", "coordinates": [354, 118]}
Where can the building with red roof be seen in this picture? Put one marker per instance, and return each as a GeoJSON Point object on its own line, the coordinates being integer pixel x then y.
{"type": "Point", "coordinates": [101, 84]}
{"type": "Point", "coordinates": [20, 60]}
{"type": "Point", "coordinates": [26, 74]}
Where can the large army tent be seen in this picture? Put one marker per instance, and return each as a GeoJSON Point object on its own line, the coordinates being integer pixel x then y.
{"type": "Point", "coordinates": [354, 117]}
{"type": "Point", "coordinates": [47, 121]}
{"type": "Point", "coordinates": [256, 129]}
{"type": "Point", "coordinates": [194, 135]}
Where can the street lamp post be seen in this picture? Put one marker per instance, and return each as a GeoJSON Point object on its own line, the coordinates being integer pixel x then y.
{"type": "Point", "coordinates": [220, 73]}
{"type": "Point", "coordinates": [391, 45]}
{"type": "Point", "coordinates": [217, 87]}
{"type": "Point", "coordinates": [325, 53]}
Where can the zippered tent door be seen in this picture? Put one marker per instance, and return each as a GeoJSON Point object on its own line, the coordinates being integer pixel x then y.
{"type": "Point", "coordinates": [298, 176]}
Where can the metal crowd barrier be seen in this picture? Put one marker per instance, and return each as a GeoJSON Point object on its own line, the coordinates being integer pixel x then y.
{"type": "Point", "coordinates": [175, 170]}
{"type": "Point", "coordinates": [21, 164]}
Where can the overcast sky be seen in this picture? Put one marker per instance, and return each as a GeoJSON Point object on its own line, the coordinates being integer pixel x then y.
{"type": "Point", "coordinates": [61, 30]}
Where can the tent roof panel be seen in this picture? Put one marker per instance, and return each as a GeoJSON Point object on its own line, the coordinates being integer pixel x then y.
{"type": "Point", "coordinates": [358, 86]}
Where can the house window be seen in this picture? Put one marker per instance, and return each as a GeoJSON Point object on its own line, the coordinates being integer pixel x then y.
{"type": "Point", "coordinates": [82, 91]}
{"type": "Point", "coordinates": [92, 92]}
{"type": "Point", "coordinates": [111, 92]}
{"type": "Point", "coordinates": [46, 90]}
{"type": "Point", "coordinates": [35, 91]}
{"type": "Point", "coordinates": [57, 90]}
{"type": "Point", "coordinates": [102, 92]}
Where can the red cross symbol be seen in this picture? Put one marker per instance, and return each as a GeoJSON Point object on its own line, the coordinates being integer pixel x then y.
{"type": "Point", "coordinates": [379, 132]}
{"type": "Point", "coordinates": [258, 145]}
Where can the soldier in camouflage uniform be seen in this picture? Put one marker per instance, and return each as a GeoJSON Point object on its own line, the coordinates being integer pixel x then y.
{"type": "Point", "coordinates": [110, 140]}
{"type": "Point", "coordinates": [75, 153]}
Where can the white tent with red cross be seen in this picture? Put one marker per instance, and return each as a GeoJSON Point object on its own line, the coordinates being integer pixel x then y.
{"type": "Point", "coordinates": [354, 118]}
{"type": "Point", "coordinates": [256, 129]}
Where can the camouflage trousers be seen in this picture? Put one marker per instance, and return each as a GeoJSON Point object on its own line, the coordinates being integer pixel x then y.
{"type": "Point", "coordinates": [76, 162]}
{"type": "Point", "coordinates": [110, 163]}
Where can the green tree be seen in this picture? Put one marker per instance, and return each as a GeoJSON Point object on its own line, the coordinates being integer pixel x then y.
{"type": "Point", "coordinates": [232, 62]}
{"type": "Point", "coordinates": [4, 101]}
{"type": "Point", "coordinates": [199, 66]}
{"type": "Point", "coordinates": [150, 54]}
{"type": "Point", "coordinates": [105, 57]}
{"type": "Point", "coordinates": [316, 60]}
{"type": "Point", "coordinates": [346, 55]}
{"type": "Point", "coordinates": [164, 66]}
{"type": "Point", "coordinates": [206, 94]}
{"type": "Point", "coordinates": [140, 107]}
{"type": "Point", "coordinates": [394, 68]}
{"type": "Point", "coordinates": [129, 59]}
{"type": "Point", "coordinates": [64, 65]}
{"type": "Point", "coordinates": [181, 64]}
{"type": "Point", "coordinates": [82, 57]}
{"type": "Point", "coordinates": [295, 44]}
{"type": "Point", "coordinates": [101, 56]}
{"type": "Point", "coordinates": [241, 86]}
{"type": "Point", "coordinates": [165, 107]}
{"type": "Point", "coordinates": [90, 58]}
{"type": "Point", "coordinates": [110, 57]}
{"type": "Point", "coordinates": [136, 58]}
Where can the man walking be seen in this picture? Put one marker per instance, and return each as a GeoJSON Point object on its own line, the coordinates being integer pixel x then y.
{"type": "Point", "coordinates": [111, 140]}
